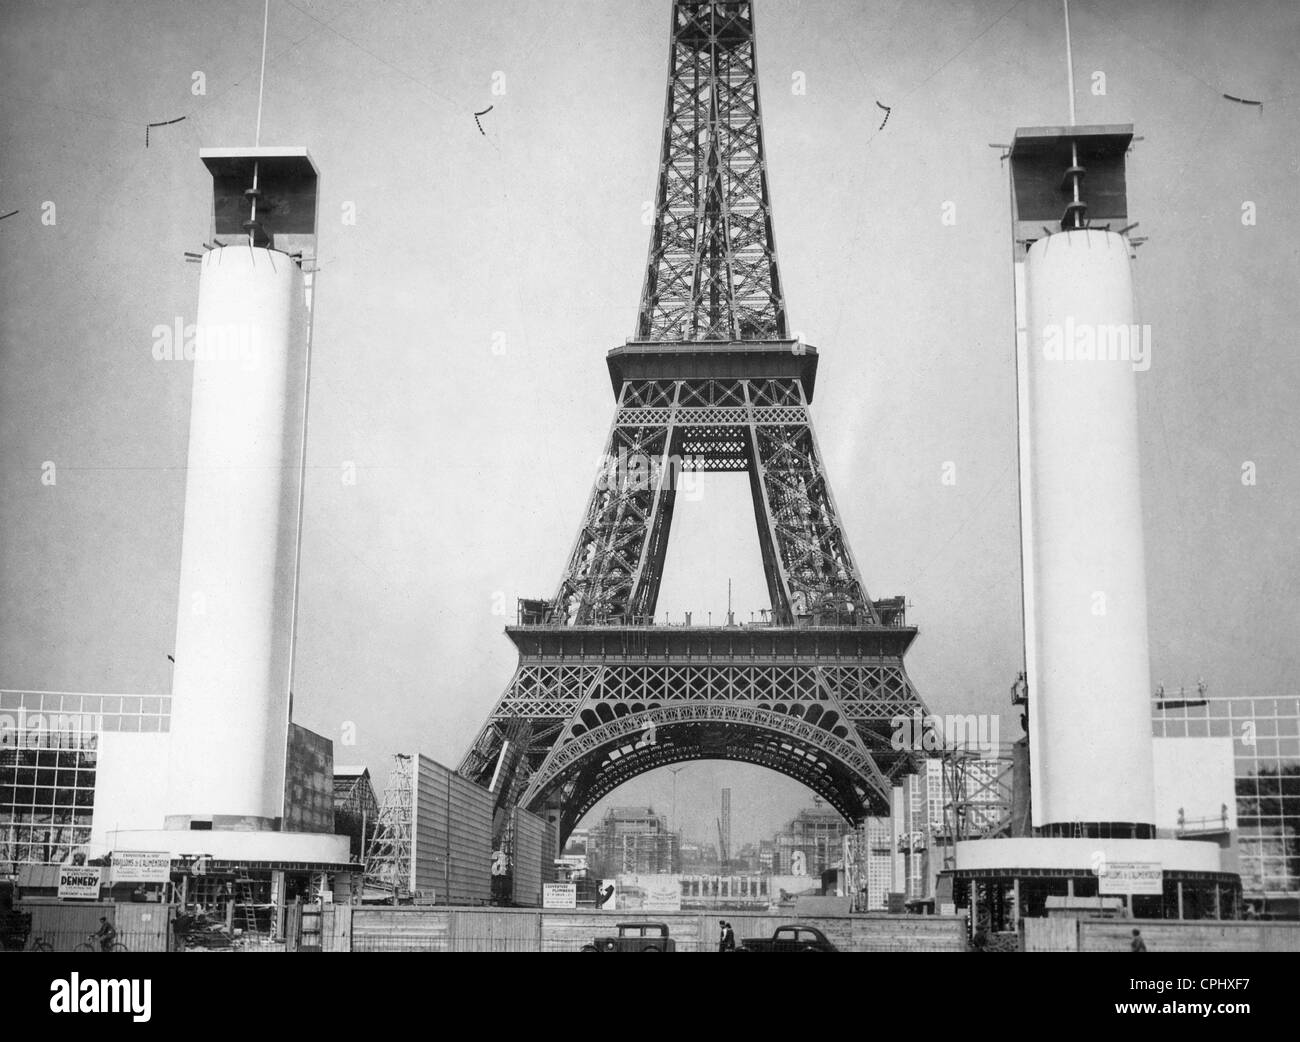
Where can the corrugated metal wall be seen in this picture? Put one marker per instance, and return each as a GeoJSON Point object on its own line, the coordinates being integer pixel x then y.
{"type": "Point", "coordinates": [569, 931]}
{"type": "Point", "coordinates": [454, 865]}
{"type": "Point", "coordinates": [414, 929]}
{"type": "Point", "coordinates": [1189, 935]}
{"type": "Point", "coordinates": [553, 851]}
{"type": "Point", "coordinates": [531, 856]}
{"type": "Point", "coordinates": [356, 928]}
{"type": "Point", "coordinates": [411, 928]}
{"type": "Point", "coordinates": [497, 931]}
{"type": "Point", "coordinates": [399, 929]}
{"type": "Point", "coordinates": [1057, 934]}
{"type": "Point", "coordinates": [906, 933]}
{"type": "Point", "coordinates": [142, 927]}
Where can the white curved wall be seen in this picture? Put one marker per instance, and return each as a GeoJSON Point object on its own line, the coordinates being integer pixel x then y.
{"type": "Point", "coordinates": [1089, 676]}
{"type": "Point", "coordinates": [310, 847]}
{"type": "Point", "coordinates": [1081, 855]}
{"type": "Point", "coordinates": [230, 704]}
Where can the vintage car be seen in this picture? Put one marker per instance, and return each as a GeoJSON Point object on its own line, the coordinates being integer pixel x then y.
{"type": "Point", "coordinates": [635, 937]}
{"type": "Point", "coordinates": [794, 937]}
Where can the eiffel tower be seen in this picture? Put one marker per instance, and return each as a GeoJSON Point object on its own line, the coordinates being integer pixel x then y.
{"type": "Point", "coordinates": [711, 381]}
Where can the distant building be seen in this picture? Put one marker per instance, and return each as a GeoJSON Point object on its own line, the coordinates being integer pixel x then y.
{"type": "Point", "coordinates": [735, 892]}
{"type": "Point", "coordinates": [810, 844]}
{"type": "Point", "coordinates": [574, 857]}
{"type": "Point", "coordinates": [634, 840]}
{"type": "Point", "coordinates": [928, 806]}
{"type": "Point", "coordinates": [726, 851]}
{"type": "Point", "coordinates": [746, 858]}
{"type": "Point", "coordinates": [878, 836]}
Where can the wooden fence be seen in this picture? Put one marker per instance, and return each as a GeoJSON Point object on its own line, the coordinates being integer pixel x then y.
{"type": "Point", "coordinates": [429, 929]}
{"type": "Point", "coordinates": [142, 927]}
{"type": "Point", "coordinates": [1068, 934]}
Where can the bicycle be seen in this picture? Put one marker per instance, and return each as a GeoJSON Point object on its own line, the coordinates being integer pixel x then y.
{"type": "Point", "coordinates": [91, 944]}
{"type": "Point", "coordinates": [38, 944]}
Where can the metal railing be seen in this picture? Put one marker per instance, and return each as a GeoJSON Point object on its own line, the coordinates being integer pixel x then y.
{"type": "Point", "coordinates": [893, 618]}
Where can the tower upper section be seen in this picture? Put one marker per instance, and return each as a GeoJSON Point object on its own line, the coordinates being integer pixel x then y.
{"type": "Point", "coordinates": [265, 196]}
{"type": "Point", "coordinates": [712, 272]}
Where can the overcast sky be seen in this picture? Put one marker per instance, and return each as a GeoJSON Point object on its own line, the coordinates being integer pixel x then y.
{"type": "Point", "coordinates": [474, 462]}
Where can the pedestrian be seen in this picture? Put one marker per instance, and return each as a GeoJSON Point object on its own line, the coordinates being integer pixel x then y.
{"type": "Point", "coordinates": [722, 936]}
{"type": "Point", "coordinates": [728, 938]}
{"type": "Point", "coordinates": [1137, 944]}
{"type": "Point", "coordinates": [181, 923]}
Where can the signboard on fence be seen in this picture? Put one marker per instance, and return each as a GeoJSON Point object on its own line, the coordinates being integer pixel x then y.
{"type": "Point", "coordinates": [79, 881]}
{"type": "Point", "coordinates": [1131, 877]}
{"type": "Point", "coordinates": [559, 895]}
{"type": "Point", "coordinates": [141, 866]}
{"type": "Point", "coordinates": [663, 897]}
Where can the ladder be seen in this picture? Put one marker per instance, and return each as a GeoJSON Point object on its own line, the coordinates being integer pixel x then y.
{"type": "Point", "coordinates": [246, 908]}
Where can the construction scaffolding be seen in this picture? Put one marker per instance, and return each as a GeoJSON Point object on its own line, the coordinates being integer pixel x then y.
{"type": "Point", "coordinates": [388, 858]}
{"type": "Point", "coordinates": [356, 808]}
{"type": "Point", "coordinates": [978, 791]}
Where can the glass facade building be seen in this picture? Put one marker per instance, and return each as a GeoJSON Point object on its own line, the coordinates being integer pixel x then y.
{"type": "Point", "coordinates": [50, 747]}
{"type": "Point", "coordinates": [1265, 735]}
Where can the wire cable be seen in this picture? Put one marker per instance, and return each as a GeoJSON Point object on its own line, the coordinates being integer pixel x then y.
{"type": "Point", "coordinates": [261, 78]}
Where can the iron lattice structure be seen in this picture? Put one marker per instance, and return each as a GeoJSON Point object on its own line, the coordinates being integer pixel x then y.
{"type": "Point", "coordinates": [712, 272]}
{"type": "Point", "coordinates": [388, 857]}
{"type": "Point", "coordinates": [711, 383]}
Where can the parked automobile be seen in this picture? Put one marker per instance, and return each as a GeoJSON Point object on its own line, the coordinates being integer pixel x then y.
{"type": "Point", "coordinates": [635, 937]}
{"type": "Point", "coordinates": [793, 937]}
